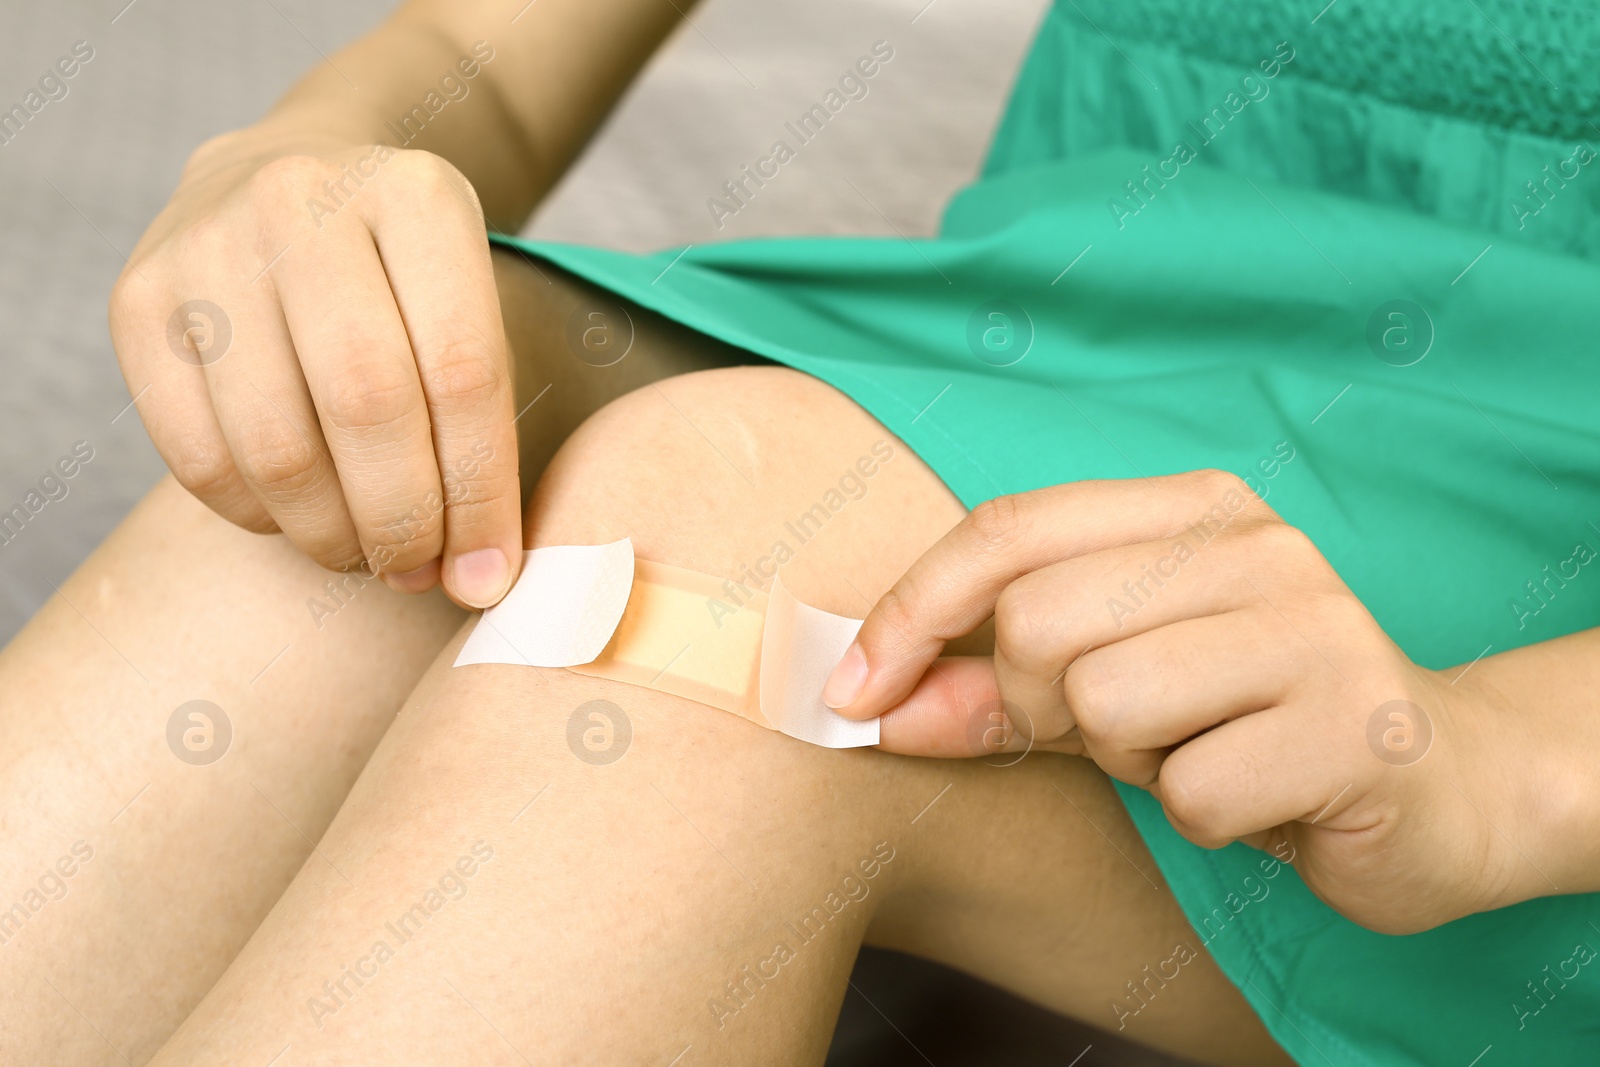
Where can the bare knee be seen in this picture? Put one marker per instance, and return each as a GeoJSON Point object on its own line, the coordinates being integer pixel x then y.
{"type": "Point", "coordinates": [710, 471]}
{"type": "Point", "coordinates": [739, 471]}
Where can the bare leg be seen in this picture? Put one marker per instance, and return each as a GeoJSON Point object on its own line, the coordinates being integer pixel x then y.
{"type": "Point", "coordinates": [174, 861]}
{"type": "Point", "coordinates": [503, 899]}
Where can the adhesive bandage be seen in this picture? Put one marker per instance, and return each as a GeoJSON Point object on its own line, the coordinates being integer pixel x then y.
{"type": "Point", "coordinates": [597, 610]}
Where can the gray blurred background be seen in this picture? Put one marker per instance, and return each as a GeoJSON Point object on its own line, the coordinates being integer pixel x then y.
{"type": "Point", "coordinates": [82, 180]}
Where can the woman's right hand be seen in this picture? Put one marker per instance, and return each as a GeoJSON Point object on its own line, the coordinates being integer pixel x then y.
{"type": "Point", "coordinates": [314, 341]}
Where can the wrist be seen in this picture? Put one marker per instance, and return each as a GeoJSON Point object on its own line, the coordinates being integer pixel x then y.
{"type": "Point", "coordinates": [1561, 798]}
{"type": "Point", "coordinates": [1545, 818]}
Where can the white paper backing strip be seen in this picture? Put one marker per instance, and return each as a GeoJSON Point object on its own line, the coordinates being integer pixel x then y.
{"type": "Point", "coordinates": [799, 647]}
{"type": "Point", "coordinates": [562, 611]}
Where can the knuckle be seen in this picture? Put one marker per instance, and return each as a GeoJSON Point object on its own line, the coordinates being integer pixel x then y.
{"type": "Point", "coordinates": [465, 373]}
{"type": "Point", "coordinates": [124, 308]}
{"type": "Point", "coordinates": [1096, 694]}
{"type": "Point", "coordinates": [1291, 552]}
{"type": "Point", "coordinates": [476, 512]}
{"type": "Point", "coordinates": [203, 467]}
{"type": "Point", "coordinates": [1232, 500]}
{"type": "Point", "coordinates": [410, 167]}
{"type": "Point", "coordinates": [433, 176]}
{"type": "Point", "coordinates": [209, 239]}
{"type": "Point", "coordinates": [897, 609]}
{"type": "Point", "coordinates": [477, 501]}
{"type": "Point", "coordinates": [477, 492]}
{"type": "Point", "coordinates": [335, 550]}
{"type": "Point", "coordinates": [1281, 540]}
{"type": "Point", "coordinates": [196, 260]}
{"type": "Point", "coordinates": [278, 459]}
{"type": "Point", "coordinates": [287, 178]}
{"type": "Point", "coordinates": [369, 396]}
{"type": "Point", "coordinates": [1139, 769]}
{"type": "Point", "coordinates": [1219, 483]}
{"type": "Point", "coordinates": [1023, 628]}
{"type": "Point", "coordinates": [996, 523]}
{"type": "Point", "coordinates": [445, 177]}
{"type": "Point", "coordinates": [419, 164]}
{"type": "Point", "coordinates": [399, 556]}
{"type": "Point", "coordinates": [1187, 797]}
{"type": "Point", "coordinates": [405, 534]}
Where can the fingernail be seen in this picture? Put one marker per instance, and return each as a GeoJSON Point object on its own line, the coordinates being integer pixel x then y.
{"type": "Point", "coordinates": [847, 679]}
{"type": "Point", "coordinates": [480, 577]}
{"type": "Point", "coordinates": [420, 580]}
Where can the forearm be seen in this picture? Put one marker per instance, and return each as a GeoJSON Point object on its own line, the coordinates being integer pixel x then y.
{"type": "Point", "coordinates": [512, 127]}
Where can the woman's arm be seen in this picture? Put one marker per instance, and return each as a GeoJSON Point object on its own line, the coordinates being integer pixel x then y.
{"type": "Point", "coordinates": [311, 328]}
{"type": "Point", "coordinates": [1176, 631]}
{"type": "Point", "coordinates": [556, 72]}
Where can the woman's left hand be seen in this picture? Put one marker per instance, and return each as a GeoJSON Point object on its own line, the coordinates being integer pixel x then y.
{"type": "Point", "coordinates": [1177, 632]}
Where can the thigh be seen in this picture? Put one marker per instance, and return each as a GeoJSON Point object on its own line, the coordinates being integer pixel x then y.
{"type": "Point", "coordinates": [499, 896]}
{"type": "Point", "coordinates": [177, 725]}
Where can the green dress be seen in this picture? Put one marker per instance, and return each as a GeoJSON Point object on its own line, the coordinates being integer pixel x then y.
{"type": "Point", "coordinates": [1220, 233]}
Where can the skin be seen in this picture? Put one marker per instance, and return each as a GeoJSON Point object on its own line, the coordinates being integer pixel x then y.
{"type": "Point", "coordinates": [1174, 696]}
{"type": "Point", "coordinates": [365, 415]}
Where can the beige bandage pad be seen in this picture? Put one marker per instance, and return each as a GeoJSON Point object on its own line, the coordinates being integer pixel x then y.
{"type": "Point", "coordinates": [597, 610]}
{"type": "Point", "coordinates": [672, 637]}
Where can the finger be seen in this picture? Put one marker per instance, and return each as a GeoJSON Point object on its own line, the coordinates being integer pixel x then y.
{"type": "Point", "coordinates": [937, 718]}
{"type": "Point", "coordinates": [431, 239]}
{"type": "Point", "coordinates": [953, 587]}
{"type": "Point", "coordinates": [1051, 618]}
{"type": "Point", "coordinates": [161, 337]}
{"type": "Point", "coordinates": [956, 711]}
{"type": "Point", "coordinates": [1135, 699]}
{"type": "Point", "coordinates": [267, 417]}
{"type": "Point", "coordinates": [358, 364]}
{"type": "Point", "coordinates": [1263, 770]}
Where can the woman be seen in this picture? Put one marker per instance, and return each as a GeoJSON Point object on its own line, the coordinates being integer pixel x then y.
{"type": "Point", "coordinates": [1268, 525]}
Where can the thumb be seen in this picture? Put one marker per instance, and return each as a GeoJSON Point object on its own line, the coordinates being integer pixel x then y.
{"type": "Point", "coordinates": [953, 712]}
